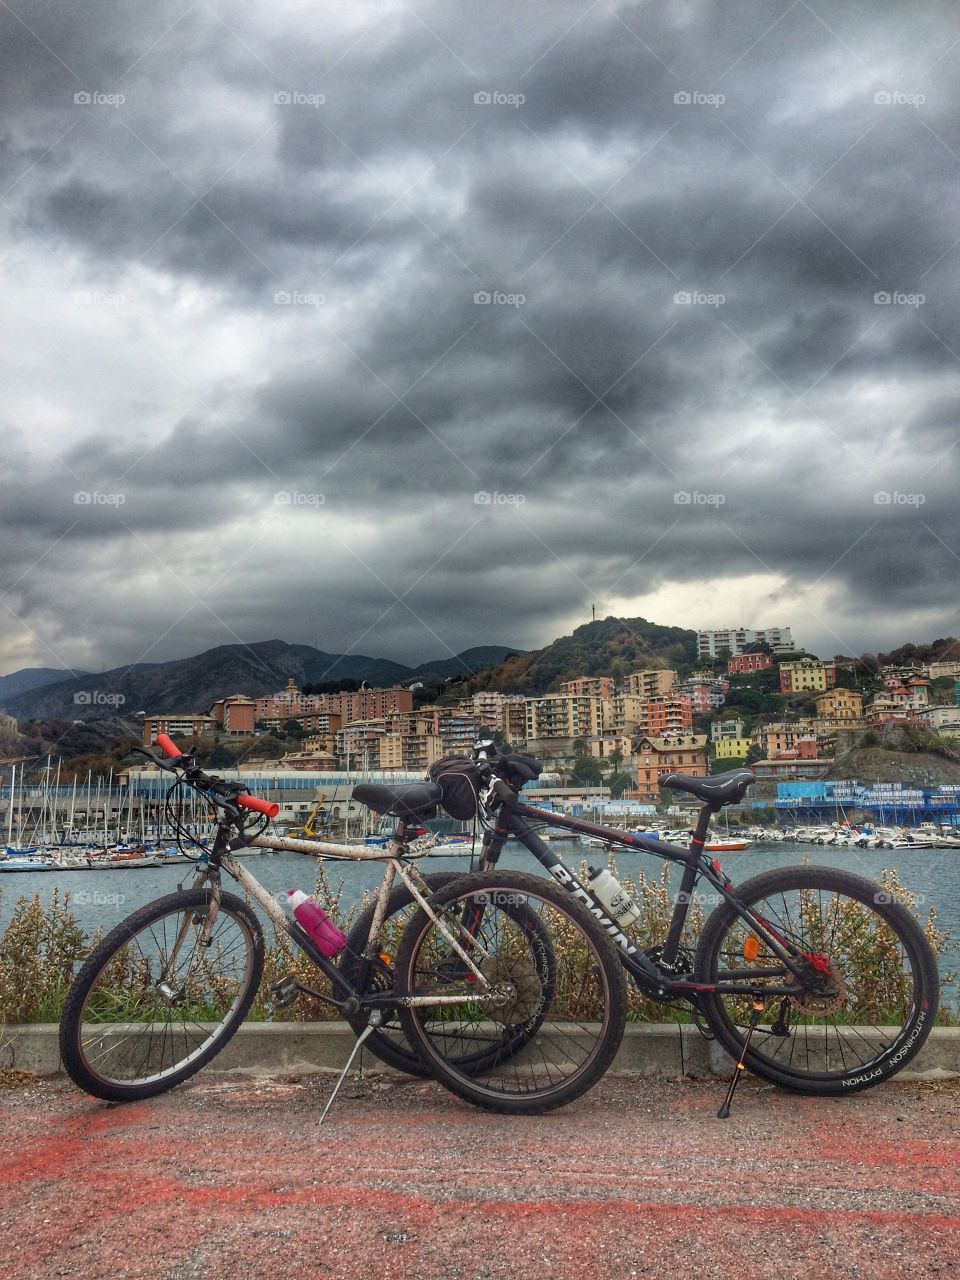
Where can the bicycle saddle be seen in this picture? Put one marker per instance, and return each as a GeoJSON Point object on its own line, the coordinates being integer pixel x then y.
{"type": "Point", "coordinates": [415, 800]}
{"type": "Point", "coordinates": [721, 789]}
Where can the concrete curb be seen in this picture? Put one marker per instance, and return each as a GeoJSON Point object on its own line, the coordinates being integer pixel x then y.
{"type": "Point", "coordinates": [649, 1048]}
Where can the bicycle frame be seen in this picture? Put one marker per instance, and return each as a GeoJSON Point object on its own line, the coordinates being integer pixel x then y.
{"type": "Point", "coordinates": [395, 855]}
{"type": "Point", "coordinates": [659, 980]}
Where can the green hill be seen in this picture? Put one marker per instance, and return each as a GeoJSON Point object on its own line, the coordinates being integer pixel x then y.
{"type": "Point", "coordinates": [608, 647]}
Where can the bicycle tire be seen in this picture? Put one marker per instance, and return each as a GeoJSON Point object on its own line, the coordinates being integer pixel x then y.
{"type": "Point", "coordinates": [389, 1042]}
{"type": "Point", "coordinates": [852, 986]}
{"type": "Point", "coordinates": [75, 1052]}
{"type": "Point", "coordinates": [589, 958]}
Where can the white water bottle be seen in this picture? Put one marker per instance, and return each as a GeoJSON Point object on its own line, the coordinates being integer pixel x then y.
{"type": "Point", "coordinates": [606, 888]}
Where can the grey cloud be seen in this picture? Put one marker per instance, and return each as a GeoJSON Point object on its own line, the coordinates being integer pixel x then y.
{"type": "Point", "coordinates": [798, 397]}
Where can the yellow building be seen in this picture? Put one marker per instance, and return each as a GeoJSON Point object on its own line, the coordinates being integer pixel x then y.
{"type": "Point", "coordinates": [731, 748]}
{"type": "Point", "coordinates": [839, 704]}
{"type": "Point", "coordinates": [806, 674]}
{"type": "Point", "coordinates": [557, 715]}
{"type": "Point", "coordinates": [413, 751]}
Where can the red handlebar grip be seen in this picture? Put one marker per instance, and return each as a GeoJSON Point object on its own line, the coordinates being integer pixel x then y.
{"type": "Point", "coordinates": [269, 807]}
{"type": "Point", "coordinates": [167, 744]}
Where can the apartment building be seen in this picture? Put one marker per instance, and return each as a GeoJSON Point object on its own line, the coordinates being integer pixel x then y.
{"type": "Point", "coordinates": [745, 663]}
{"type": "Point", "coordinates": [235, 715]}
{"type": "Point", "coordinates": [502, 711]}
{"type": "Point", "coordinates": [410, 751]}
{"type": "Point", "coordinates": [807, 674]}
{"type": "Point", "coordinates": [557, 719]}
{"type": "Point", "coordinates": [785, 739]}
{"type": "Point", "coordinates": [365, 704]}
{"type": "Point", "coordinates": [839, 704]}
{"type": "Point", "coordinates": [656, 755]}
{"type": "Point", "coordinates": [704, 695]}
{"type": "Point", "coordinates": [731, 749]}
{"type": "Point", "coordinates": [732, 640]}
{"type": "Point", "coordinates": [588, 687]}
{"type": "Point", "coordinates": [186, 724]}
{"type": "Point", "coordinates": [632, 713]}
{"type": "Point", "coordinates": [651, 684]}
{"type": "Point", "coordinates": [721, 729]}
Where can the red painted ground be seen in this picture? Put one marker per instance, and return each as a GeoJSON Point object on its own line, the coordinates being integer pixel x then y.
{"type": "Point", "coordinates": [230, 1177]}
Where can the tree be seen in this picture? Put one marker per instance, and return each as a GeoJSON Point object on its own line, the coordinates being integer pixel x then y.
{"type": "Point", "coordinates": [618, 783]}
{"type": "Point", "coordinates": [587, 772]}
{"type": "Point", "coordinates": [616, 759]}
{"type": "Point", "coordinates": [293, 729]}
{"type": "Point", "coordinates": [221, 758]}
{"type": "Point", "coordinates": [580, 747]}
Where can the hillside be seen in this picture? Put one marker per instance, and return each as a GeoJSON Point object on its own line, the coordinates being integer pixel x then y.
{"type": "Point", "coordinates": [608, 647]}
{"type": "Point", "coordinates": [194, 684]}
{"type": "Point", "coordinates": [28, 678]}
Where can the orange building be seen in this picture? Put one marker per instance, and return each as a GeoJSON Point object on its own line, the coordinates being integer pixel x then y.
{"type": "Point", "coordinates": [679, 753]}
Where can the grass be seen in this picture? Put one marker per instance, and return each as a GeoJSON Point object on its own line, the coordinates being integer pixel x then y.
{"type": "Point", "coordinates": [42, 947]}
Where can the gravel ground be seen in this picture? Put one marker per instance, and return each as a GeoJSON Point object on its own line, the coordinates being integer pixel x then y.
{"type": "Point", "coordinates": [230, 1176]}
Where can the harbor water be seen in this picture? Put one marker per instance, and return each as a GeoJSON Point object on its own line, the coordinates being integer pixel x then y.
{"type": "Point", "coordinates": [102, 898]}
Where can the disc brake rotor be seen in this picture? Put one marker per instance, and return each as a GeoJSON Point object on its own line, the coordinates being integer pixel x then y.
{"type": "Point", "coordinates": [519, 974]}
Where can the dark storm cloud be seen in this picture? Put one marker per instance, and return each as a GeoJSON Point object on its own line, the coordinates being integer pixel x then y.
{"type": "Point", "coordinates": [305, 273]}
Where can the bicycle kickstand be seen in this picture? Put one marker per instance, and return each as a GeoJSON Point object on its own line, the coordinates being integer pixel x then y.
{"type": "Point", "coordinates": [724, 1111]}
{"type": "Point", "coordinates": [375, 1019]}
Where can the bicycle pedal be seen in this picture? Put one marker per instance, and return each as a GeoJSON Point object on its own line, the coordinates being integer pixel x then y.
{"type": "Point", "coordinates": [284, 993]}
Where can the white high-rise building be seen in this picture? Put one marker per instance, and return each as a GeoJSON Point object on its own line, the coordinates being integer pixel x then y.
{"type": "Point", "coordinates": [735, 640]}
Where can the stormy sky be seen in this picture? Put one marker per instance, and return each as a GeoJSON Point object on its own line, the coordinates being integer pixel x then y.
{"type": "Point", "coordinates": [402, 327]}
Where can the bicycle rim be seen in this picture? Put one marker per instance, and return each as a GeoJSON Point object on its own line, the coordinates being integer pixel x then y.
{"type": "Point", "coordinates": [149, 1016]}
{"type": "Point", "coordinates": [860, 1016]}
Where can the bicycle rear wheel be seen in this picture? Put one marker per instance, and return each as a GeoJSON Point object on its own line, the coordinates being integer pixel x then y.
{"type": "Point", "coordinates": [574, 1004]}
{"type": "Point", "coordinates": [870, 989]}
{"type": "Point", "coordinates": [388, 1042]}
{"type": "Point", "coordinates": [143, 1014]}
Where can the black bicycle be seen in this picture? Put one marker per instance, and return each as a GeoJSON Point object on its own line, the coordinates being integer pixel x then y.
{"type": "Point", "coordinates": [812, 977]}
{"type": "Point", "coordinates": [528, 1024]}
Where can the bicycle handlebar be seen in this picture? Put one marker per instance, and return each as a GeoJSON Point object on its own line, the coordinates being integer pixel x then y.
{"type": "Point", "coordinates": [215, 789]}
{"type": "Point", "coordinates": [269, 807]}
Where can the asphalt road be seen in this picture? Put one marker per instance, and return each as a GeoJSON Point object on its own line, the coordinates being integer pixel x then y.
{"type": "Point", "coordinates": [229, 1176]}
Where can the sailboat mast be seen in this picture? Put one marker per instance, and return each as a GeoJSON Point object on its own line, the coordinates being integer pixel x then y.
{"type": "Point", "coordinates": [13, 796]}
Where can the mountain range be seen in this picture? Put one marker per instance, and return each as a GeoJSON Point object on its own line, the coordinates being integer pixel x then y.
{"type": "Point", "coordinates": [194, 684]}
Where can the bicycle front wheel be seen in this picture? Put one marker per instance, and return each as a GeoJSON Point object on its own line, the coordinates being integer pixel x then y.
{"type": "Point", "coordinates": [868, 993]}
{"type": "Point", "coordinates": [545, 1019]}
{"type": "Point", "coordinates": [155, 1001]}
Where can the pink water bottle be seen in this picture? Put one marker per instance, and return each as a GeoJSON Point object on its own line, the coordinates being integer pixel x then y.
{"type": "Point", "coordinates": [312, 919]}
